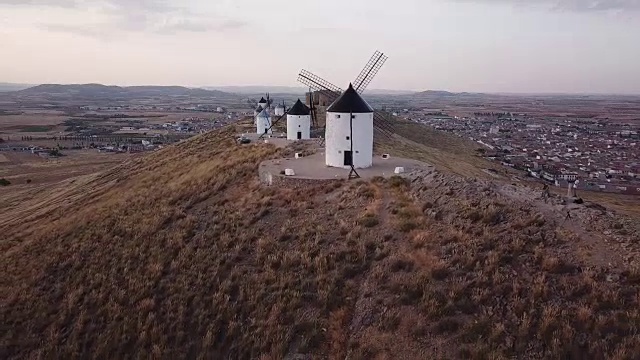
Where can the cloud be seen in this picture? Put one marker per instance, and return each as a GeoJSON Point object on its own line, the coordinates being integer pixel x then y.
{"type": "Point", "coordinates": [86, 31]}
{"type": "Point", "coordinates": [54, 3]}
{"type": "Point", "coordinates": [198, 26]}
{"type": "Point", "coordinates": [574, 5]}
{"type": "Point", "coordinates": [153, 16]}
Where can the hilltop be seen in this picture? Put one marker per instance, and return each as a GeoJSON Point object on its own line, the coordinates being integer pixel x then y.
{"type": "Point", "coordinates": [4, 87]}
{"type": "Point", "coordinates": [92, 91]}
{"type": "Point", "coordinates": [184, 253]}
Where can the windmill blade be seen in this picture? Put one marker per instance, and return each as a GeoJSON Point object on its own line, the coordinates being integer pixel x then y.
{"type": "Point", "coordinates": [383, 124]}
{"type": "Point", "coordinates": [317, 83]}
{"type": "Point", "coordinates": [332, 92]}
{"type": "Point", "coordinates": [273, 123]}
{"type": "Point", "coordinates": [370, 71]}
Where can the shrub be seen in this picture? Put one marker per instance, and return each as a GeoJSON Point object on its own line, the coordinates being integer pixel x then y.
{"type": "Point", "coordinates": [556, 265]}
{"type": "Point", "coordinates": [406, 225]}
{"type": "Point", "coordinates": [55, 152]}
{"type": "Point", "coordinates": [368, 220]}
{"type": "Point", "coordinates": [4, 182]}
{"type": "Point", "coordinates": [367, 192]}
{"type": "Point", "coordinates": [28, 181]}
{"type": "Point", "coordinates": [398, 182]}
{"type": "Point", "coordinates": [492, 216]}
{"type": "Point", "coordinates": [402, 265]}
{"type": "Point", "coordinates": [447, 325]}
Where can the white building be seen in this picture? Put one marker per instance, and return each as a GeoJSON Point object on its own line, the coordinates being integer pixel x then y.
{"type": "Point", "coordinates": [279, 110]}
{"type": "Point", "coordinates": [298, 122]}
{"type": "Point", "coordinates": [263, 122]}
{"type": "Point", "coordinates": [568, 176]}
{"type": "Point", "coordinates": [257, 111]}
{"type": "Point", "coordinates": [349, 132]}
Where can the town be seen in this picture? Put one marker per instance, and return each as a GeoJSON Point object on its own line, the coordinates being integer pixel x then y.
{"type": "Point", "coordinates": [593, 154]}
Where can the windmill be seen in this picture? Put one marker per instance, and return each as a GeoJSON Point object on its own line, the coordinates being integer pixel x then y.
{"type": "Point", "coordinates": [286, 112]}
{"type": "Point", "coordinates": [348, 146]}
{"type": "Point", "coordinates": [332, 92]}
{"type": "Point", "coordinates": [273, 123]}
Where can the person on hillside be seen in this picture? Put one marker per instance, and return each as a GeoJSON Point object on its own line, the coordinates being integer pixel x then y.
{"type": "Point", "coordinates": [575, 188]}
{"type": "Point", "coordinates": [568, 215]}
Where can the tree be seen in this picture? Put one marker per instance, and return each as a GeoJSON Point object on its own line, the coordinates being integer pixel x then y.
{"type": "Point", "coordinates": [55, 152]}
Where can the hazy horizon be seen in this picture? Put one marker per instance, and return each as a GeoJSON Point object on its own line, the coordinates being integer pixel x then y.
{"type": "Point", "coordinates": [283, 89]}
{"type": "Point", "coordinates": [484, 46]}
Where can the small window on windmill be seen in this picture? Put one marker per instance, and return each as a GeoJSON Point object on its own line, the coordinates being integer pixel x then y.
{"type": "Point", "coordinates": [357, 152]}
{"type": "Point", "coordinates": [348, 138]}
{"type": "Point", "coordinates": [353, 116]}
{"type": "Point", "coordinates": [338, 116]}
{"type": "Point", "coordinates": [339, 151]}
{"type": "Point", "coordinates": [299, 125]}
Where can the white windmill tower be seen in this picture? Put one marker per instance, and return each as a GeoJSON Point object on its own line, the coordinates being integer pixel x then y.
{"type": "Point", "coordinates": [349, 132]}
{"type": "Point", "coordinates": [263, 122]}
{"type": "Point", "coordinates": [359, 150]}
{"type": "Point", "coordinates": [299, 122]}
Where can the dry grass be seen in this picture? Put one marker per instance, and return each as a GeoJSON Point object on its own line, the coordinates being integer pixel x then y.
{"type": "Point", "coordinates": [182, 253]}
{"type": "Point", "coordinates": [472, 286]}
{"type": "Point", "coordinates": [445, 151]}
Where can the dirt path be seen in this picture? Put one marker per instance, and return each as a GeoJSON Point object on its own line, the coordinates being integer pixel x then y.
{"type": "Point", "coordinates": [363, 309]}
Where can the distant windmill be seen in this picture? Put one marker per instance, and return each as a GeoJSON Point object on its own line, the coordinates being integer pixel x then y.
{"type": "Point", "coordinates": [299, 122]}
{"type": "Point", "coordinates": [262, 117]}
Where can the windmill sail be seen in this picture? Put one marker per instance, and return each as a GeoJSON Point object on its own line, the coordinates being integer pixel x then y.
{"type": "Point", "coordinates": [332, 92]}
{"type": "Point", "coordinates": [369, 72]}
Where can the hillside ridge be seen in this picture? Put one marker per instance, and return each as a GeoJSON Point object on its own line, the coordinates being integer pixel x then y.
{"type": "Point", "coordinates": [107, 91]}
{"type": "Point", "coordinates": [185, 251]}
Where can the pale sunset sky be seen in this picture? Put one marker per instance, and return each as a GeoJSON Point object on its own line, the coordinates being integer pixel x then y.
{"type": "Point", "coordinates": [535, 46]}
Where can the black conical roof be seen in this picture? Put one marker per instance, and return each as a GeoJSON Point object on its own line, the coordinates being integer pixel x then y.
{"type": "Point", "coordinates": [262, 101]}
{"type": "Point", "coordinates": [350, 102]}
{"type": "Point", "coordinates": [299, 109]}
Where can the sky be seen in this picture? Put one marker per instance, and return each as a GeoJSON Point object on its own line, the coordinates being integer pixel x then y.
{"type": "Point", "coordinates": [514, 46]}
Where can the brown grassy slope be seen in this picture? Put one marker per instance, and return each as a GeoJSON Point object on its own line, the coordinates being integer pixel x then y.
{"type": "Point", "coordinates": [445, 151]}
{"type": "Point", "coordinates": [477, 275]}
{"type": "Point", "coordinates": [182, 252]}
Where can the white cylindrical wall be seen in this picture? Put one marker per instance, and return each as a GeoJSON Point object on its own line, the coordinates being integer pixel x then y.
{"type": "Point", "coordinates": [262, 124]}
{"type": "Point", "coordinates": [279, 111]}
{"type": "Point", "coordinates": [298, 123]}
{"type": "Point", "coordinates": [338, 139]}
